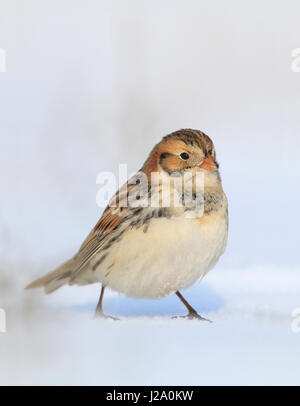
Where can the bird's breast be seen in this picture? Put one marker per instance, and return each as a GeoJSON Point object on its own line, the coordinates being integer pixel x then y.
{"type": "Point", "coordinates": [170, 255]}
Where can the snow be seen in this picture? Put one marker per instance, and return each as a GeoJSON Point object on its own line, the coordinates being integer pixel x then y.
{"type": "Point", "coordinates": [132, 74]}
{"type": "Point", "coordinates": [55, 339]}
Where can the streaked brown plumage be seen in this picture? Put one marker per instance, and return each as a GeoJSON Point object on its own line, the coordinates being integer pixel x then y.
{"type": "Point", "coordinates": [137, 236]}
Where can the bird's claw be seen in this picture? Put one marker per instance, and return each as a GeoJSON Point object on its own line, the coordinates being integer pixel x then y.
{"type": "Point", "coordinates": [192, 316]}
{"type": "Point", "coordinates": [105, 316]}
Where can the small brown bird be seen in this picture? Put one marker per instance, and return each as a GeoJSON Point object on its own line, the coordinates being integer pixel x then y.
{"type": "Point", "coordinates": [151, 250]}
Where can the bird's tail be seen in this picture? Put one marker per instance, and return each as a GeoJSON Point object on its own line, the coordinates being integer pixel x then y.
{"type": "Point", "coordinates": [55, 279]}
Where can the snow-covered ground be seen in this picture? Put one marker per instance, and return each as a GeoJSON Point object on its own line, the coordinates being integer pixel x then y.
{"type": "Point", "coordinates": [100, 90]}
{"type": "Point", "coordinates": [55, 340]}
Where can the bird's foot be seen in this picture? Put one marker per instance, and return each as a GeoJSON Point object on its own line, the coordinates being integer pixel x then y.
{"type": "Point", "coordinates": [102, 315]}
{"type": "Point", "coordinates": [192, 316]}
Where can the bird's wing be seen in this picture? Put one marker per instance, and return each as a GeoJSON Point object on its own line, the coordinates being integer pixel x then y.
{"type": "Point", "coordinates": [114, 217]}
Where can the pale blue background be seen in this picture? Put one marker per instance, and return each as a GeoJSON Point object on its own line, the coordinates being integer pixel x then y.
{"type": "Point", "coordinates": [96, 83]}
{"type": "Point", "coordinates": [91, 84]}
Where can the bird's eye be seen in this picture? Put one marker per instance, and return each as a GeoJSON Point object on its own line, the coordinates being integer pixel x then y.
{"type": "Point", "coordinates": [184, 155]}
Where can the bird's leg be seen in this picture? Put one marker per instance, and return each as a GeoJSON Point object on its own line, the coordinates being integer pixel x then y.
{"type": "Point", "coordinates": [99, 311]}
{"type": "Point", "coordinates": [192, 314]}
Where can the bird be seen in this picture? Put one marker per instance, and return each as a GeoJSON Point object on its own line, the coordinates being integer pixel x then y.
{"type": "Point", "coordinates": [146, 247]}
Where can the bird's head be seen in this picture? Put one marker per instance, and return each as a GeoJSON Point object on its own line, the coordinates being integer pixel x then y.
{"type": "Point", "coordinates": [181, 151]}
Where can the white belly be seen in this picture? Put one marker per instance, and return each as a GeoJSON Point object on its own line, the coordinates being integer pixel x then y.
{"type": "Point", "coordinates": [172, 255]}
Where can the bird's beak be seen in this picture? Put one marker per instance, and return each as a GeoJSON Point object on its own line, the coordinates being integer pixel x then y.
{"type": "Point", "coordinates": [209, 163]}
